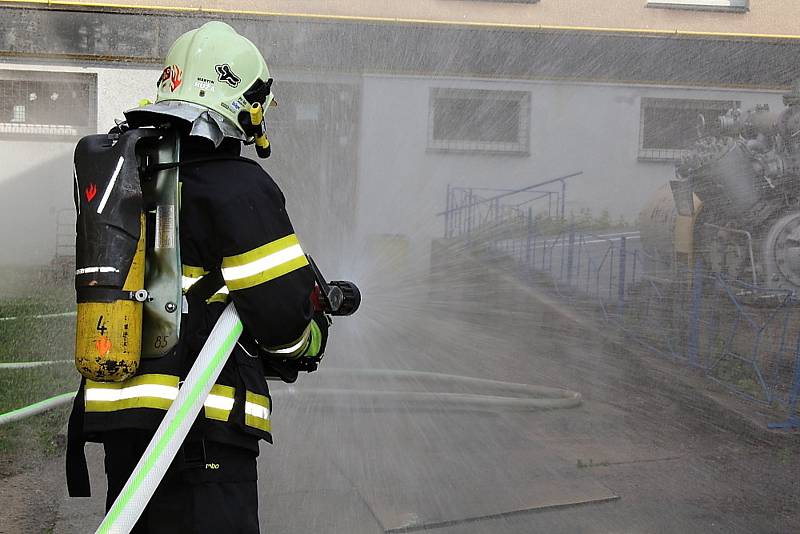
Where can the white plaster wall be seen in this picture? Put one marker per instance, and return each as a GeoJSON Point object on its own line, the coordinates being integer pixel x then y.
{"type": "Point", "coordinates": [36, 176]}
{"type": "Point", "coordinates": [588, 127]}
{"type": "Point", "coordinates": [592, 128]}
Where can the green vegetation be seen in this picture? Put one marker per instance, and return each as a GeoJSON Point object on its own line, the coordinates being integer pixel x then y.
{"type": "Point", "coordinates": [34, 339]}
{"type": "Point", "coordinates": [740, 374]}
{"type": "Point", "coordinates": [583, 221]}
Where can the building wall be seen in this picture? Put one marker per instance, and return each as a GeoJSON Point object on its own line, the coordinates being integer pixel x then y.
{"type": "Point", "coordinates": [574, 127]}
{"type": "Point", "coordinates": [401, 184]}
{"type": "Point", "coordinates": [765, 16]}
{"type": "Point", "coordinates": [36, 178]}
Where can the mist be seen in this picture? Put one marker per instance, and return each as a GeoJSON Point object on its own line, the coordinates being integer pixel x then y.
{"type": "Point", "coordinates": [576, 248]}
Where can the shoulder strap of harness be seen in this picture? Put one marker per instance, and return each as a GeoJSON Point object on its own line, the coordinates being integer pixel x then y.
{"type": "Point", "coordinates": [77, 471]}
{"type": "Point", "coordinates": [151, 169]}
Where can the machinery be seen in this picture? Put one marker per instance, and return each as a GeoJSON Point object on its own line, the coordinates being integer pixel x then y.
{"type": "Point", "coordinates": [734, 205]}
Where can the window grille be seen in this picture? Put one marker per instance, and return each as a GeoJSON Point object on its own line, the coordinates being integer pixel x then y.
{"type": "Point", "coordinates": [669, 127]}
{"type": "Point", "coordinates": [476, 120]}
{"type": "Point", "coordinates": [52, 105]}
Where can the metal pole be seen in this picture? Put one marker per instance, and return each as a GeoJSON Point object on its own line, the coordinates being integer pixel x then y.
{"type": "Point", "coordinates": [544, 252]}
{"type": "Point", "coordinates": [621, 284]}
{"type": "Point", "coordinates": [563, 200]}
{"type": "Point", "coordinates": [611, 274]}
{"type": "Point", "coordinates": [447, 214]}
{"type": "Point", "coordinates": [693, 344]}
{"type": "Point", "coordinates": [469, 212]}
{"type": "Point", "coordinates": [570, 252]}
{"type": "Point", "coordinates": [528, 257]}
{"type": "Point", "coordinates": [460, 220]}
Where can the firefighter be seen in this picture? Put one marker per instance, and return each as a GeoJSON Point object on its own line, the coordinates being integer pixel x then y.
{"type": "Point", "coordinates": [232, 220]}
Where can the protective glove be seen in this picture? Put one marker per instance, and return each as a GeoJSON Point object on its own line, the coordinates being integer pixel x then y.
{"type": "Point", "coordinates": [319, 336]}
{"type": "Point", "coordinates": [287, 369]}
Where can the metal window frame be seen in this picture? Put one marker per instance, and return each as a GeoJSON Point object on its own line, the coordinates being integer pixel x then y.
{"type": "Point", "coordinates": [675, 154]}
{"type": "Point", "coordinates": [735, 6]}
{"type": "Point", "coordinates": [520, 148]}
{"type": "Point", "coordinates": [59, 132]}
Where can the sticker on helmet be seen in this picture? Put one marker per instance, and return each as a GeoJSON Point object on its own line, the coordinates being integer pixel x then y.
{"type": "Point", "coordinates": [171, 74]}
{"type": "Point", "coordinates": [226, 75]}
{"type": "Point", "coordinates": [204, 84]}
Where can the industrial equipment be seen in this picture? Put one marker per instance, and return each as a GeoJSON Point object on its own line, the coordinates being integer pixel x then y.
{"type": "Point", "coordinates": [733, 208]}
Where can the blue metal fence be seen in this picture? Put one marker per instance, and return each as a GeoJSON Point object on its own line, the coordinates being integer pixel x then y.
{"type": "Point", "coordinates": [743, 337]}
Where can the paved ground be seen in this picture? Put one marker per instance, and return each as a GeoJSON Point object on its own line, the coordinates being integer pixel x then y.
{"type": "Point", "coordinates": [643, 454]}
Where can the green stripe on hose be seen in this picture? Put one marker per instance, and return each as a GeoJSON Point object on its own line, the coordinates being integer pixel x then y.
{"type": "Point", "coordinates": [34, 406]}
{"type": "Point", "coordinates": [122, 502]}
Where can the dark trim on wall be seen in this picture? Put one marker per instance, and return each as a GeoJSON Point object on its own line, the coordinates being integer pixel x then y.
{"type": "Point", "coordinates": [124, 36]}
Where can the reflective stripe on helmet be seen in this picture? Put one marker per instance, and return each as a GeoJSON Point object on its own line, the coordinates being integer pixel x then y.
{"type": "Point", "coordinates": [264, 263]}
{"type": "Point", "coordinates": [256, 411]}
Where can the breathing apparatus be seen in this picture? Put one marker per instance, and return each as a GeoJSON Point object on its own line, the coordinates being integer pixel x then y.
{"type": "Point", "coordinates": [128, 276]}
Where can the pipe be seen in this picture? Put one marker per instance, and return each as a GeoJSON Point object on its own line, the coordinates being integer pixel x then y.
{"type": "Point", "coordinates": [45, 316]}
{"type": "Point", "coordinates": [533, 397]}
{"type": "Point", "coordinates": [486, 395]}
{"type": "Point", "coordinates": [36, 408]}
{"type": "Point", "coordinates": [27, 365]}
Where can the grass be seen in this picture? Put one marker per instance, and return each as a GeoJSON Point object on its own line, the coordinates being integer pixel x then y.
{"type": "Point", "coordinates": [29, 339]}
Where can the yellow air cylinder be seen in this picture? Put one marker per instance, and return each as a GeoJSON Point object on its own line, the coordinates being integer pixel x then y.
{"type": "Point", "coordinates": [108, 337]}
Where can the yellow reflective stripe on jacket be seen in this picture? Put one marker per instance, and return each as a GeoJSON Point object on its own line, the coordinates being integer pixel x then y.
{"type": "Point", "coordinates": [294, 349]}
{"type": "Point", "coordinates": [264, 263]}
{"type": "Point", "coordinates": [221, 295]}
{"type": "Point", "coordinates": [143, 391]}
{"type": "Point", "coordinates": [191, 275]}
{"type": "Point", "coordinates": [153, 391]}
{"type": "Point", "coordinates": [219, 403]}
{"type": "Point", "coordinates": [256, 411]}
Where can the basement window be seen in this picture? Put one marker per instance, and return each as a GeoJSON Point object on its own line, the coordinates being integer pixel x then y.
{"type": "Point", "coordinates": [703, 5]}
{"type": "Point", "coordinates": [477, 120]}
{"type": "Point", "coordinates": [47, 105]}
{"type": "Point", "coordinates": [669, 127]}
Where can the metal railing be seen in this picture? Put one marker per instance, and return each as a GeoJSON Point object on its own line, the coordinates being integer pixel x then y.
{"type": "Point", "coordinates": [744, 337]}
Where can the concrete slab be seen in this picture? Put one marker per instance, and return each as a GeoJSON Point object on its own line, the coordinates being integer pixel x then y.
{"type": "Point", "coordinates": [328, 510]}
{"type": "Point", "coordinates": [420, 469]}
{"type": "Point", "coordinates": [80, 515]}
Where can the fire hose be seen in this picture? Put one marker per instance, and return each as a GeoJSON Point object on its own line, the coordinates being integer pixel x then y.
{"type": "Point", "coordinates": [496, 396]}
{"type": "Point", "coordinates": [169, 437]}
